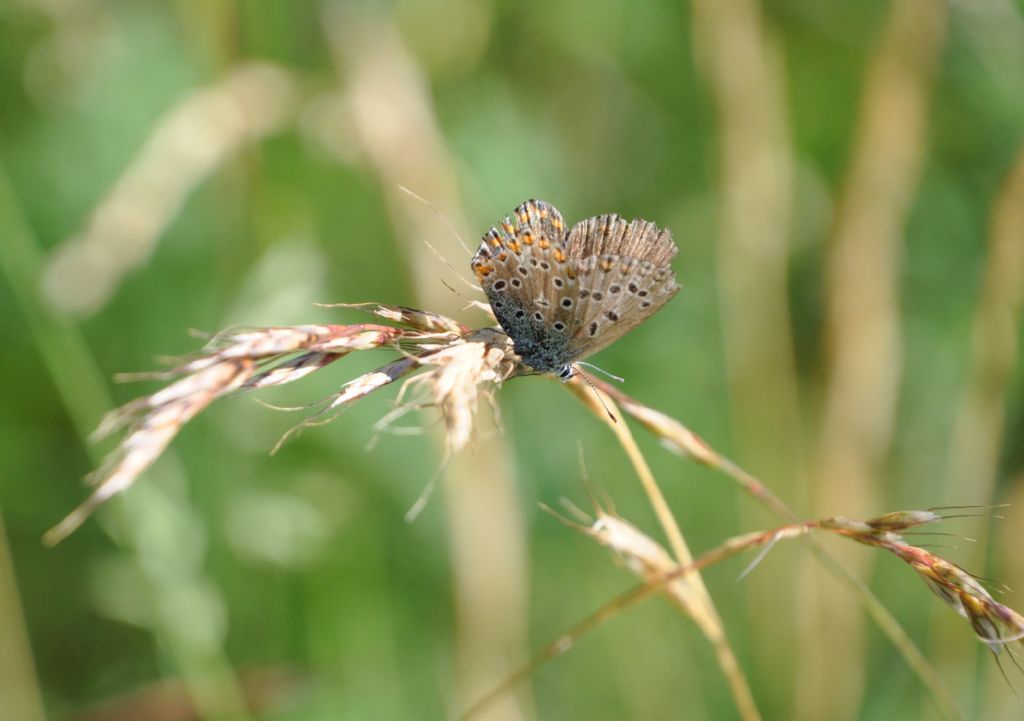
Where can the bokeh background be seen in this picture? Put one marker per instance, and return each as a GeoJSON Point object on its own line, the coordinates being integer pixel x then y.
{"type": "Point", "coordinates": [846, 185]}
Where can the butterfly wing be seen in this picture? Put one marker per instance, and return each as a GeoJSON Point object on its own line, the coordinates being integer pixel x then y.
{"type": "Point", "coordinates": [542, 219]}
{"type": "Point", "coordinates": [610, 234]}
{"type": "Point", "coordinates": [523, 267]}
{"type": "Point", "coordinates": [563, 296]}
{"type": "Point", "coordinates": [624, 277]}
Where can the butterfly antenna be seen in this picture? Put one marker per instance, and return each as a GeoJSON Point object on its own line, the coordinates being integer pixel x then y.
{"type": "Point", "coordinates": [602, 370]}
{"type": "Point", "coordinates": [597, 393]}
{"type": "Point", "coordinates": [439, 214]}
{"type": "Point", "coordinates": [447, 285]}
{"type": "Point", "coordinates": [450, 266]}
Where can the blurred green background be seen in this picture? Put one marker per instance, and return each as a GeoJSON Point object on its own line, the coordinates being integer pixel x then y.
{"type": "Point", "coordinates": [846, 185]}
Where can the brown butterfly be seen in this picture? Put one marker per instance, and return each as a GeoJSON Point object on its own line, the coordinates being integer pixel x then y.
{"type": "Point", "coordinates": [560, 294]}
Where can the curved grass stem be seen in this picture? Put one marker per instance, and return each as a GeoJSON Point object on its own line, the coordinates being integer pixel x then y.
{"type": "Point", "coordinates": [696, 602]}
{"type": "Point", "coordinates": [683, 441]}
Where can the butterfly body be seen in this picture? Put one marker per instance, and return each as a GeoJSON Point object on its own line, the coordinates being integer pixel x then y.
{"type": "Point", "coordinates": [562, 294]}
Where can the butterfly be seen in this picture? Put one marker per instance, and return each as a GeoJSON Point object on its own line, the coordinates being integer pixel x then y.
{"type": "Point", "coordinates": [562, 294]}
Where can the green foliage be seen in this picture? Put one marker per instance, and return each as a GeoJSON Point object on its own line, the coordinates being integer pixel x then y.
{"type": "Point", "coordinates": [223, 562]}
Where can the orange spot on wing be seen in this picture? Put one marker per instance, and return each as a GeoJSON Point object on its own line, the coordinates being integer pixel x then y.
{"type": "Point", "coordinates": [544, 244]}
{"type": "Point", "coordinates": [527, 238]}
{"type": "Point", "coordinates": [559, 255]}
{"type": "Point", "coordinates": [605, 265]}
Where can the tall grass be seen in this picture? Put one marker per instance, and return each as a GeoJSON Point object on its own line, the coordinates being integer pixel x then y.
{"type": "Point", "coordinates": [844, 184]}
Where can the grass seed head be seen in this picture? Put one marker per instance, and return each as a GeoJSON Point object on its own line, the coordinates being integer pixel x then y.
{"type": "Point", "coordinates": [458, 366]}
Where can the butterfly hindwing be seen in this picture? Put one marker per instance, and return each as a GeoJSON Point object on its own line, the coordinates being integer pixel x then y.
{"type": "Point", "coordinates": [611, 235]}
{"type": "Point", "coordinates": [625, 277]}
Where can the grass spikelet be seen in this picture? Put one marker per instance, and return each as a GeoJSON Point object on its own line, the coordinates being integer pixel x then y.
{"type": "Point", "coordinates": [155, 421]}
{"type": "Point", "coordinates": [451, 368]}
{"type": "Point", "coordinates": [679, 439]}
{"type": "Point", "coordinates": [995, 624]}
{"type": "Point", "coordinates": [457, 362]}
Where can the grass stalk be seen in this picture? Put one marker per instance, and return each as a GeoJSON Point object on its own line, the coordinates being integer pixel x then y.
{"type": "Point", "coordinates": [999, 626]}
{"type": "Point", "coordinates": [697, 603]}
{"type": "Point", "coordinates": [681, 440]}
{"type": "Point", "coordinates": [487, 538]}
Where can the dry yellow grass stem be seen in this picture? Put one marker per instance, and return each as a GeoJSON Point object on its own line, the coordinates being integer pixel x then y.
{"type": "Point", "coordinates": [383, 82]}
{"type": "Point", "coordinates": [998, 626]}
{"type": "Point", "coordinates": [646, 558]}
{"type": "Point", "coordinates": [978, 435]}
{"type": "Point", "coordinates": [862, 335]}
{"type": "Point", "coordinates": [977, 438]}
{"type": "Point", "coordinates": [743, 69]}
{"type": "Point", "coordinates": [689, 593]}
{"type": "Point", "coordinates": [195, 137]}
{"type": "Point", "coordinates": [742, 65]}
{"type": "Point", "coordinates": [398, 136]}
{"type": "Point", "coordinates": [681, 440]}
